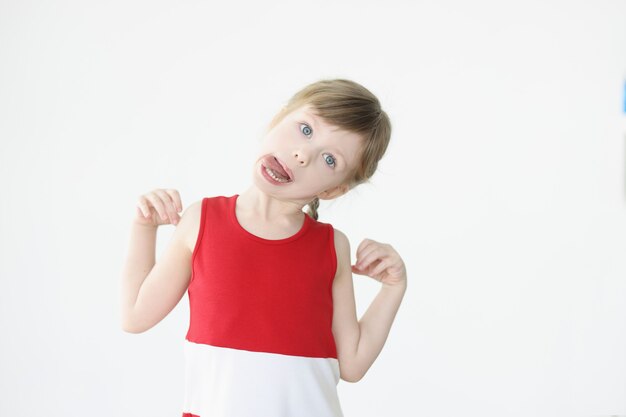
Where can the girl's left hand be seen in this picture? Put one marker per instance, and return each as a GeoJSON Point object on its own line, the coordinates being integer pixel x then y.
{"type": "Point", "coordinates": [381, 262]}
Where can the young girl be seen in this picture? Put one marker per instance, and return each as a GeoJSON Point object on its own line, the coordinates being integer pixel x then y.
{"type": "Point", "coordinates": [273, 323]}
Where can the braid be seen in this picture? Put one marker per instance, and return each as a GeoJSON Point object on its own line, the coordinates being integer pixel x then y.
{"type": "Point", "coordinates": [313, 205]}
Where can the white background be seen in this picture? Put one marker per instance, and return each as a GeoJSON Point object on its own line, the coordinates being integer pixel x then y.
{"type": "Point", "coordinates": [503, 189]}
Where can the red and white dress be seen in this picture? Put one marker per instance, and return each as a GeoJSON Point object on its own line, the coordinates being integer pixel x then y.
{"type": "Point", "coordinates": [260, 340]}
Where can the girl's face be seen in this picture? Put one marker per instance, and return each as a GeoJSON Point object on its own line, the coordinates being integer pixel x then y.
{"type": "Point", "coordinates": [317, 156]}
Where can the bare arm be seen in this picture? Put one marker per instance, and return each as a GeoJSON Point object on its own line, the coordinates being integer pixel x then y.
{"type": "Point", "coordinates": [375, 326]}
{"type": "Point", "coordinates": [149, 290]}
{"type": "Point", "coordinates": [359, 342]}
{"type": "Point", "coordinates": [345, 327]}
{"type": "Point", "coordinates": [139, 263]}
{"type": "Point", "coordinates": [381, 262]}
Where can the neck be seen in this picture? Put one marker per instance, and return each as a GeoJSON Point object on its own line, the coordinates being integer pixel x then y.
{"type": "Point", "coordinates": [267, 208]}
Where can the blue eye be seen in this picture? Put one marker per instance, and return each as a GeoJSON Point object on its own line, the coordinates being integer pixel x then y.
{"type": "Point", "coordinates": [307, 130]}
{"type": "Point", "coordinates": [330, 158]}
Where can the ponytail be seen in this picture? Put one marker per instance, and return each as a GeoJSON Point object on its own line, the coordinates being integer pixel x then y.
{"type": "Point", "coordinates": [313, 205]}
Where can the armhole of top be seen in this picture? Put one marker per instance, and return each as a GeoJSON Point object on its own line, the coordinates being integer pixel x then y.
{"type": "Point", "coordinates": [199, 237]}
{"type": "Point", "coordinates": [333, 254]}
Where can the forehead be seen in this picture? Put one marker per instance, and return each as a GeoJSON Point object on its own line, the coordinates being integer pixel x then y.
{"type": "Point", "coordinates": [318, 123]}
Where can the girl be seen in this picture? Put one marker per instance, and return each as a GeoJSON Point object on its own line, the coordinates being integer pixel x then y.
{"type": "Point", "coordinates": [273, 323]}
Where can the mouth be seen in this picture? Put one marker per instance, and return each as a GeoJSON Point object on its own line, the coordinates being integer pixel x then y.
{"type": "Point", "coordinates": [285, 168]}
{"type": "Point", "coordinates": [271, 175]}
{"type": "Point", "coordinates": [277, 169]}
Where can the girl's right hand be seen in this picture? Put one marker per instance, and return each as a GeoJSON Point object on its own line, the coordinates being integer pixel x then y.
{"type": "Point", "coordinates": [160, 206]}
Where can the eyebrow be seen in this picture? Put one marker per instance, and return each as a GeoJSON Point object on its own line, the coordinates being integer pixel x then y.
{"type": "Point", "coordinates": [335, 151]}
{"type": "Point", "coordinates": [314, 123]}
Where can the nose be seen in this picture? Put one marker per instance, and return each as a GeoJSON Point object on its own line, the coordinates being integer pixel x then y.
{"type": "Point", "coordinates": [301, 157]}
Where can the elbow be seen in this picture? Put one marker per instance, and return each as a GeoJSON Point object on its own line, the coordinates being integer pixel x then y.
{"type": "Point", "coordinates": [351, 379]}
{"type": "Point", "coordinates": [129, 323]}
{"type": "Point", "coordinates": [126, 324]}
{"type": "Point", "coordinates": [349, 369]}
{"type": "Point", "coordinates": [130, 327]}
{"type": "Point", "coordinates": [136, 325]}
{"type": "Point", "coordinates": [133, 330]}
{"type": "Point", "coordinates": [351, 376]}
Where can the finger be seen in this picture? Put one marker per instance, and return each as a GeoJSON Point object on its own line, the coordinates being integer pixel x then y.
{"type": "Point", "coordinates": [356, 270]}
{"type": "Point", "coordinates": [362, 250]}
{"type": "Point", "coordinates": [140, 213]}
{"type": "Point", "coordinates": [383, 249]}
{"type": "Point", "coordinates": [379, 268]}
{"type": "Point", "coordinates": [366, 246]}
{"type": "Point", "coordinates": [374, 253]}
{"type": "Point", "coordinates": [362, 246]}
{"type": "Point", "coordinates": [156, 198]}
{"type": "Point", "coordinates": [366, 251]}
{"type": "Point", "coordinates": [168, 203]}
{"type": "Point", "coordinates": [175, 198]}
{"type": "Point", "coordinates": [362, 271]}
{"type": "Point", "coordinates": [176, 204]}
{"type": "Point", "coordinates": [143, 206]}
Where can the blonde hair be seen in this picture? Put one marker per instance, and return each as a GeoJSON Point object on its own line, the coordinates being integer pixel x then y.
{"type": "Point", "coordinates": [350, 107]}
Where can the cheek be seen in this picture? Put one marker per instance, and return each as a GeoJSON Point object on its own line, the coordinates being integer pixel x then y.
{"type": "Point", "coordinates": [278, 138]}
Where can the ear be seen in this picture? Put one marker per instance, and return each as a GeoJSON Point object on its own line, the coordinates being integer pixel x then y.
{"type": "Point", "coordinates": [335, 192]}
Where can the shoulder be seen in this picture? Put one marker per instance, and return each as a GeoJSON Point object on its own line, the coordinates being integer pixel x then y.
{"type": "Point", "coordinates": [190, 223]}
{"type": "Point", "coordinates": [340, 237]}
{"type": "Point", "coordinates": [342, 246]}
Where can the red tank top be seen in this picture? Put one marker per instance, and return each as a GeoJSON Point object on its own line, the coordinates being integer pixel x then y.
{"type": "Point", "coordinates": [247, 292]}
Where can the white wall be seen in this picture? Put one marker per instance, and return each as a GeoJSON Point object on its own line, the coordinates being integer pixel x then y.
{"type": "Point", "coordinates": [503, 189]}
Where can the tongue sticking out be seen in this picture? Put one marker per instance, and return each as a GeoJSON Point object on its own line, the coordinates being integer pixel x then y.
{"type": "Point", "coordinates": [273, 164]}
